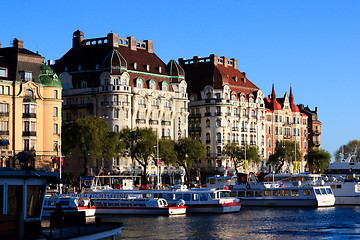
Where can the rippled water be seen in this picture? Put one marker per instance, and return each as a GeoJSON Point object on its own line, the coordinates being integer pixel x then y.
{"type": "Point", "coordinates": [249, 223]}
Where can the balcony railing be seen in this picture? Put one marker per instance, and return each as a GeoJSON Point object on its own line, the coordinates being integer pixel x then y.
{"type": "Point", "coordinates": [208, 141]}
{"type": "Point", "coordinates": [29, 133]}
{"type": "Point", "coordinates": [4, 114]}
{"type": "Point", "coordinates": [252, 130]}
{"type": "Point", "coordinates": [287, 136]}
{"type": "Point", "coordinates": [218, 113]}
{"type": "Point", "coordinates": [317, 132]}
{"type": "Point", "coordinates": [195, 116]}
{"type": "Point", "coordinates": [235, 128]}
{"type": "Point", "coordinates": [153, 122]}
{"type": "Point", "coordinates": [244, 129]}
{"type": "Point", "coordinates": [228, 114]}
{"type": "Point", "coordinates": [252, 143]}
{"type": "Point", "coordinates": [195, 129]}
{"type": "Point", "coordinates": [207, 114]}
{"type": "Point", "coordinates": [165, 123]}
{"type": "Point", "coordinates": [140, 121]}
{"type": "Point", "coordinates": [29, 115]}
{"type": "Point", "coordinates": [6, 133]}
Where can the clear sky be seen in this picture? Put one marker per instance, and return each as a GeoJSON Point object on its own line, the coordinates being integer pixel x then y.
{"type": "Point", "coordinates": [314, 46]}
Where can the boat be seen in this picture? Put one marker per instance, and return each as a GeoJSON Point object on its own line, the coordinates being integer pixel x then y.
{"type": "Point", "coordinates": [68, 204]}
{"type": "Point", "coordinates": [138, 206]}
{"type": "Point", "coordinates": [275, 194]}
{"type": "Point", "coordinates": [198, 200]}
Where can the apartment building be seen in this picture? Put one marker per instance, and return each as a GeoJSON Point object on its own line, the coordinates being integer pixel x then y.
{"type": "Point", "coordinates": [30, 108]}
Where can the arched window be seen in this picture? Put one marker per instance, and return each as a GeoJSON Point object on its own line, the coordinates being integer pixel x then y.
{"type": "Point", "coordinates": [242, 98]}
{"type": "Point", "coordinates": [269, 142]}
{"type": "Point", "coordinates": [123, 82]}
{"type": "Point", "coordinates": [251, 100]}
{"type": "Point", "coordinates": [208, 137]}
{"type": "Point", "coordinates": [208, 95]}
{"type": "Point", "coordinates": [116, 128]}
{"type": "Point", "coordinates": [207, 123]}
{"type": "Point", "coordinates": [218, 137]}
{"type": "Point", "coordinates": [83, 84]}
{"type": "Point", "coordinates": [218, 151]}
{"type": "Point", "coordinates": [218, 123]}
{"type": "Point", "coordinates": [152, 84]}
{"type": "Point", "coordinates": [29, 93]}
{"type": "Point", "coordinates": [140, 83]}
{"type": "Point", "coordinates": [208, 151]}
{"type": "Point", "coordinates": [165, 86]}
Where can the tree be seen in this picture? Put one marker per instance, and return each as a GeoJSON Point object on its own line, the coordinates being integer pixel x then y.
{"type": "Point", "coordinates": [350, 148]}
{"type": "Point", "coordinates": [167, 152]}
{"type": "Point", "coordinates": [188, 152]}
{"type": "Point", "coordinates": [252, 154]}
{"type": "Point", "coordinates": [92, 138]}
{"type": "Point", "coordinates": [233, 151]}
{"type": "Point", "coordinates": [318, 160]}
{"type": "Point", "coordinates": [139, 145]}
{"type": "Point", "coordinates": [284, 153]}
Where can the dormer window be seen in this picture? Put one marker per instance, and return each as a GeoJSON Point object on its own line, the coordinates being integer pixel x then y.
{"type": "Point", "coordinates": [165, 86]}
{"type": "Point", "coordinates": [135, 65]}
{"type": "Point", "coordinates": [152, 84]}
{"type": "Point", "coordinates": [84, 84]}
{"type": "Point", "coordinates": [159, 69]}
{"type": "Point", "coordinates": [147, 67]}
{"type": "Point", "coordinates": [139, 83]}
{"type": "Point", "coordinates": [26, 76]}
{"type": "Point", "coordinates": [3, 72]}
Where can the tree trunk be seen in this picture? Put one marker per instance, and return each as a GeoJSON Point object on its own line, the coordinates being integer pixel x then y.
{"type": "Point", "coordinates": [187, 176]}
{"type": "Point", "coordinates": [85, 165]}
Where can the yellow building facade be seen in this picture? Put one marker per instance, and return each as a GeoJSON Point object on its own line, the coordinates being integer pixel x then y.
{"type": "Point", "coordinates": [30, 108]}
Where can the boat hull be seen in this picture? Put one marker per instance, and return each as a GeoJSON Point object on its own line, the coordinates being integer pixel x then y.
{"type": "Point", "coordinates": [88, 211]}
{"type": "Point", "coordinates": [142, 210]}
{"type": "Point", "coordinates": [214, 208]}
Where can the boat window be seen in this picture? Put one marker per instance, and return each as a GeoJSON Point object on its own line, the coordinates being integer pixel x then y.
{"type": "Point", "coordinates": [178, 196]}
{"type": "Point", "coordinates": [212, 195]}
{"type": "Point", "coordinates": [328, 190]}
{"type": "Point", "coordinates": [233, 194]}
{"type": "Point", "coordinates": [307, 192]}
{"type": "Point", "coordinates": [276, 192]}
{"type": "Point", "coordinates": [285, 192]}
{"type": "Point", "coordinates": [187, 197]}
{"type": "Point", "coordinates": [258, 193]}
{"type": "Point", "coordinates": [249, 193]}
{"type": "Point", "coordinates": [14, 201]}
{"type": "Point", "coordinates": [294, 192]}
{"type": "Point", "coordinates": [333, 186]}
{"type": "Point", "coordinates": [35, 196]}
{"type": "Point", "coordinates": [224, 194]}
{"type": "Point", "coordinates": [241, 194]}
{"type": "Point", "coordinates": [212, 181]}
{"type": "Point", "coordinates": [267, 193]}
{"type": "Point", "coordinates": [169, 197]}
{"type": "Point", "coordinates": [146, 195]}
{"type": "Point", "coordinates": [195, 197]}
{"type": "Point", "coordinates": [338, 186]}
{"type": "Point", "coordinates": [317, 191]}
{"type": "Point", "coordinates": [155, 195]}
{"type": "Point", "coordinates": [203, 197]}
{"type": "Point", "coordinates": [323, 191]}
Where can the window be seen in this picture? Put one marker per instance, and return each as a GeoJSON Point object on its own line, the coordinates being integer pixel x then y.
{"type": "Point", "coordinates": [116, 128]}
{"type": "Point", "coordinates": [4, 126]}
{"type": "Point", "coordinates": [55, 111]}
{"type": "Point", "coordinates": [268, 118]}
{"type": "Point", "coordinates": [141, 101]}
{"type": "Point", "coordinates": [217, 95]}
{"type": "Point", "coordinates": [97, 66]}
{"type": "Point", "coordinates": [294, 131]}
{"type": "Point", "coordinates": [269, 130]}
{"type": "Point", "coordinates": [139, 83]}
{"type": "Point", "coordinates": [56, 128]}
{"type": "Point", "coordinates": [116, 113]}
{"type": "Point", "coordinates": [218, 123]}
{"type": "Point", "coordinates": [152, 84]}
{"type": "Point", "coordinates": [165, 86]}
{"type": "Point", "coordinates": [84, 84]}
{"type": "Point", "coordinates": [294, 120]}
{"type": "Point", "coordinates": [269, 142]}
{"type": "Point", "coordinates": [7, 90]}
{"type": "Point", "coordinates": [26, 76]}
{"type": "Point", "coordinates": [79, 67]}
{"type": "Point", "coordinates": [276, 118]}
{"type": "Point", "coordinates": [126, 114]}
{"type": "Point", "coordinates": [1, 89]}
{"type": "Point", "coordinates": [2, 72]}
{"type": "Point", "coordinates": [56, 94]}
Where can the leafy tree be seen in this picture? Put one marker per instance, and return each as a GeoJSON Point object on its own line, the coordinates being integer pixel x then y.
{"type": "Point", "coordinates": [167, 153]}
{"type": "Point", "coordinates": [252, 154]}
{"type": "Point", "coordinates": [318, 159]}
{"type": "Point", "coordinates": [139, 145]}
{"type": "Point", "coordinates": [188, 152]}
{"type": "Point", "coordinates": [284, 153]}
{"type": "Point", "coordinates": [233, 151]}
{"type": "Point", "coordinates": [352, 147]}
{"type": "Point", "coordinates": [92, 138]}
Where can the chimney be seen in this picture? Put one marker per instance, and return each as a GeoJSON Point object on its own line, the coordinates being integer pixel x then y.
{"type": "Point", "coordinates": [18, 43]}
{"type": "Point", "coordinates": [132, 43]}
{"type": "Point", "coordinates": [234, 62]}
{"type": "Point", "coordinates": [213, 59]}
{"type": "Point", "coordinates": [244, 73]}
{"type": "Point", "coordinates": [113, 39]}
{"type": "Point", "coordinates": [225, 60]}
{"type": "Point", "coordinates": [149, 46]}
{"type": "Point", "coordinates": [0, 45]}
{"type": "Point", "coordinates": [78, 37]}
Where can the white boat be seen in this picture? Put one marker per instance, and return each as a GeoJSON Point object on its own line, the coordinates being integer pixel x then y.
{"type": "Point", "coordinates": [141, 206]}
{"type": "Point", "coordinates": [274, 194]}
{"type": "Point", "coordinates": [68, 204]}
{"type": "Point", "coordinates": [197, 200]}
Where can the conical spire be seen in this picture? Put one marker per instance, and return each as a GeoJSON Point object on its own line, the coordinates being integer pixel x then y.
{"type": "Point", "coordinates": [293, 106]}
{"type": "Point", "coordinates": [274, 103]}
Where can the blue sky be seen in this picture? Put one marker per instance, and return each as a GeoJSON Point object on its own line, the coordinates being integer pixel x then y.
{"type": "Point", "coordinates": [314, 46]}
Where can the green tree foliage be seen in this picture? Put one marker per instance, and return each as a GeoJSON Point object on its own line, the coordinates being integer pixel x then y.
{"type": "Point", "coordinates": [90, 137]}
{"type": "Point", "coordinates": [188, 152]}
{"type": "Point", "coordinates": [284, 153]}
{"type": "Point", "coordinates": [167, 152]}
{"type": "Point", "coordinates": [349, 149]}
{"type": "Point", "coordinates": [318, 160]}
{"type": "Point", "coordinates": [233, 151]}
{"type": "Point", "coordinates": [140, 146]}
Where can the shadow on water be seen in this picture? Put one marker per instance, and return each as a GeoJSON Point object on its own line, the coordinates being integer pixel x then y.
{"type": "Point", "coordinates": [249, 223]}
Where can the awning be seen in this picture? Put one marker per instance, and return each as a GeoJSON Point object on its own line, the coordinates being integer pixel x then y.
{"type": "Point", "coordinates": [4, 142]}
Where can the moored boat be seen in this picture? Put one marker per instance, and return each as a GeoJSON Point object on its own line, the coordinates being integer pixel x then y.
{"type": "Point", "coordinates": [68, 204]}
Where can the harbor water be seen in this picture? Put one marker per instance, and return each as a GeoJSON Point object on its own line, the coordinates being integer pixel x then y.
{"type": "Point", "coordinates": [250, 223]}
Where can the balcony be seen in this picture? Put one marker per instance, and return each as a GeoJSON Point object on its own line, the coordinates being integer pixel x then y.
{"type": "Point", "coordinates": [228, 114]}
{"type": "Point", "coordinates": [6, 133]}
{"type": "Point", "coordinates": [29, 115]}
{"type": "Point", "coordinates": [208, 141]}
{"type": "Point", "coordinates": [252, 143]}
{"type": "Point", "coordinates": [287, 136]}
{"type": "Point", "coordinates": [141, 121]}
{"type": "Point", "coordinates": [208, 114]}
{"type": "Point", "coordinates": [235, 129]}
{"type": "Point", "coordinates": [165, 123]}
{"type": "Point", "coordinates": [316, 143]}
{"type": "Point", "coordinates": [218, 113]}
{"type": "Point", "coordinates": [195, 116]}
{"type": "Point", "coordinates": [153, 122]}
{"type": "Point", "coordinates": [28, 133]}
{"type": "Point", "coordinates": [126, 103]}
{"type": "Point", "coordinates": [4, 114]}
{"type": "Point", "coordinates": [244, 129]}
{"type": "Point", "coordinates": [317, 132]}
{"type": "Point", "coordinates": [252, 130]}
{"type": "Point", "coordinates": [28, 99]}
{"type": "Point", "coordinates": [194, 129]}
